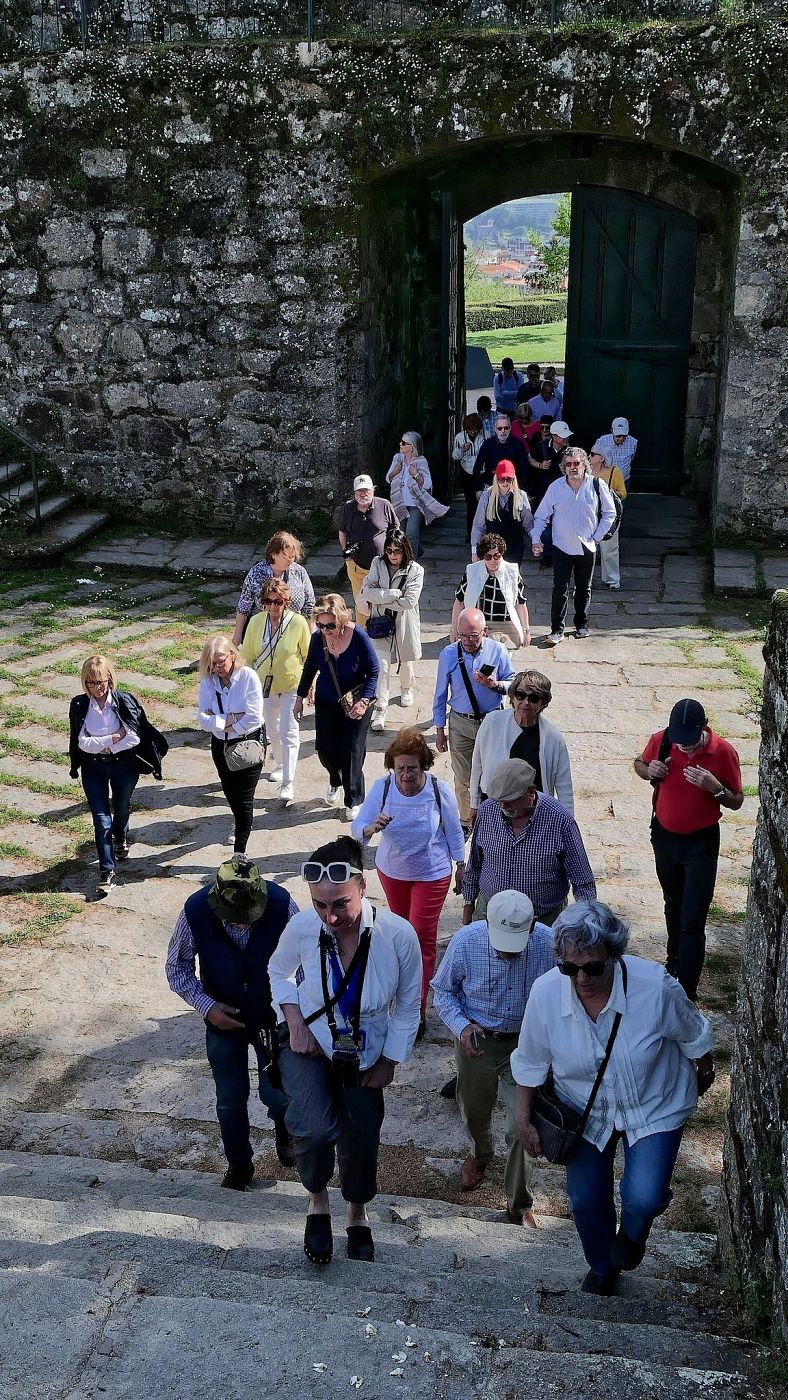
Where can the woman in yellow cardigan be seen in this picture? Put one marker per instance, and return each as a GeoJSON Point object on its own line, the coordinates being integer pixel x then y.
{"type": "Point", "coordinates": [275, 646]}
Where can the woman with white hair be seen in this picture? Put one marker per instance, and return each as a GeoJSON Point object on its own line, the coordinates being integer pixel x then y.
{"type": "Point", "coordinates": [504, 509]}
{"type": "Point", "coordinates": [603, 1010]}
{"type": "Point", "coordinates": [230, 709]}
{"type": "Point", "coordinates": [409, 476]}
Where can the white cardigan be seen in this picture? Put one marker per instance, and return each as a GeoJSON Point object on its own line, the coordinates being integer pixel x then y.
{"type": "Point", "coordinates": [376, 594]}
{"type": "Point", "coordinates": [497, 733]}
{"type": "Point", "coordinates": [508, 576]}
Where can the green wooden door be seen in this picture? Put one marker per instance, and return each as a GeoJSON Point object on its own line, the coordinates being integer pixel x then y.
{"type": "Point", "coordinates": [631, 283]}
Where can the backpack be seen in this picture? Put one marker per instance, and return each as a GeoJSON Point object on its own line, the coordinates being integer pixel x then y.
{"type": "Point", "coordinates": [616, 502]}
{"type": "Point", "coordinates": [436, 792]}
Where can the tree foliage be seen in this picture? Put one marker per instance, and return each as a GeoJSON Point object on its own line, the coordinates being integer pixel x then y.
{"type": "Point", "coordinates": [554, 251]}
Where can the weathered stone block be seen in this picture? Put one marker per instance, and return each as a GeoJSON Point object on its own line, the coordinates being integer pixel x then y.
{"type": "Point", "coordinates": [80, 335]}
{"type": "Point", "coordinates": [193, 399]}
{"type": "Point", "coordinates": [125, 343]}
{"type": "Point", "coordinates": [125, 398]}
{"type": "Point", "coordinates": [68, 240]}
{"type": "Point", "coordinates": [104, 164]}
{"type": "Point", "coordinates": [126, 250]}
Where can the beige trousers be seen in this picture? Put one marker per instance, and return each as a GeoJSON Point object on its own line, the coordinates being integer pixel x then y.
{"type": "Point", "coordinates": [356, 577]}
{"type": "Point", "coordinates": [479, 1083]}
{"type": "Point", "coordinates": [462, 737]}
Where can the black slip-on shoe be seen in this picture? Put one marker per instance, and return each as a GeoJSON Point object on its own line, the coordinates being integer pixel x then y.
{"type": "Point", "coordinates": [318, 1239]}
{"type": "Point", "coordinates": [360, 1244]}
{"type": "Point", "coordinates": [626, 1253]}
{"type": "Point", "coordinates": [605, 1285]}
{"type": "Point", "coordinates": [238, 1176]}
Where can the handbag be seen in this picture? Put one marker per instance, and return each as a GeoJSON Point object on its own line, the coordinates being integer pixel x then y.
{"type": "Point", "coordinates": [560, 1127]}
{"type": "Point", "coordinates": [616, 502]}
{"type": "Point", "coordinates": [380, 626]}
{"type": "Point", "coordinates": [348, 698]}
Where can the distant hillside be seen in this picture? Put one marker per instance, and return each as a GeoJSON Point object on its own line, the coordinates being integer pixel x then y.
{"type": "Point", "coordinates": [516, 217]}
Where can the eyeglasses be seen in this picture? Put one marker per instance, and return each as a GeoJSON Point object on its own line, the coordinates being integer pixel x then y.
{"type": "Point", "coordinates": [408, 768]}
{"type": "Point", "coordinates": [493, 554]}
{"type": "Point", "coordinates": [392, 549]}
{"type": "Point", "coordinates": [471, 636]}
{"type": "Point", "coordinates": [589, 969]}
{"type": "Point", "coordinates": [532, 696]}
{"type": "Point", "coordinates": [326, 627]}
{"type": "Point", "coordinates": [337, 871]}
{"type": "Point", "coordinates": [403, 442]}
{"type": "Point", "coordinates": [503, 429]}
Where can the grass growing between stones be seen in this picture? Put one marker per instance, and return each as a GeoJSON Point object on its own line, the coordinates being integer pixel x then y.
{"type": "Point", "coordinates": [719, 982]}
{"type": "Point", "coordinates": [25, 916]}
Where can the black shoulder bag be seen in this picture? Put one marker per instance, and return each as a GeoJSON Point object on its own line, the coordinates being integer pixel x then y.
{"type": "Point", "coordinates": [560, 1127]}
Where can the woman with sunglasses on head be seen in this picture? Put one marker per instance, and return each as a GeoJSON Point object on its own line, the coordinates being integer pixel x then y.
{"type": "Point", "coordinates": [111, 743]}
{"type": "Point", "coordinates": [390, 594]}
{"type": "Point", "coordinates": [409, 478]}
{"type": "Point", "coordinates": [283, 555]}
{"type": "Point", "coordinates": [343, 660]}
{"type": "Point", "coordinates": [497, 589]}
{"type": "Point", "coordinates": [523, 732]}
{"type": "Point", "coordinates": [230, 709]}
{"type": "Point", "coordinates": [504, 509]}
{"type": "Point", "coordinates": [352, 1017]}
{"type": "Point", "coordinates": [420, 835]}
{"type": "Point", "coordinates": [659, 1056]}
{"type": "Point", "coordinates": [275, 645]}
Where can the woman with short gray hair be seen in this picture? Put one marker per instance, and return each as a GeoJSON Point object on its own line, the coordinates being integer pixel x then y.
{"type": "Point", "coordinates": [523, 731]}
{"type": "Point", "coordinates": [600, 1001]}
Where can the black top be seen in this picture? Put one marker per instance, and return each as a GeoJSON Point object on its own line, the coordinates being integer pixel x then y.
{"type": "Point", "coordinates": [492, 452]}
{"type": "Point", "coordinates": [510, 530]}
{"type": "Point", "coordinates": [367, 528]}
{"type": "Point", "coordinates": [526, 746]}
{"type": "Point", "coordinates": [543, 450]}
{"type": "Point", "coordinates": [147, 755]}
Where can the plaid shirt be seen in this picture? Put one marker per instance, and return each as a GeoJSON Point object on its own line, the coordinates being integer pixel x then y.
{"type": "Point", "coordinates": [182, 955]}
{"type": "Point", "coordinates": [542, 860]}
{"type": "Point", "coordinates": [474, 983]}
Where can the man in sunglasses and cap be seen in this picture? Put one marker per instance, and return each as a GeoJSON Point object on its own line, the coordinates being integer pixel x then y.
{"type": "Point", "coordinates": [694, 774]}
{"type": "Point", "coordinates": [363, 523]}
{"type": "Point", "coordinates": [481, 989]}
{"type": "Point", "coordinates": [232, 927]}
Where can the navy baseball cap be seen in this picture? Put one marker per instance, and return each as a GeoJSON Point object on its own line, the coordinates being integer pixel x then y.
{"type": "Point", "coordinates": [687, 722]}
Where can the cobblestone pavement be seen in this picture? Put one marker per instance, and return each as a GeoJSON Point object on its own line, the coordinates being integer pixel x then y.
{"type": "Point", "coordinates": [98, 1056]}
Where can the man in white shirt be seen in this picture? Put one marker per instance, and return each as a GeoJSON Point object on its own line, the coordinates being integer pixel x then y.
{"type": "Point", "coordinates": [581, 510]}
{"type": "Point", "coordinates": [546, 401]}
{"type": "Point", "coordinates": [619, 446]}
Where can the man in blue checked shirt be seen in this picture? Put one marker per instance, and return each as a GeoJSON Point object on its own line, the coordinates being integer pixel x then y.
{"type": "Point", "coordinates": [481, 990]}
{"type": "Point", "coordinates": [473, 676]}
{"type": "Point", "coordinates": [233, 927]}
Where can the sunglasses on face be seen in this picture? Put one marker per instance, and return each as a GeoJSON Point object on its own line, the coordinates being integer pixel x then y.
{"type": "Point", "coordinates": [493, 554]}
{"type": "Point", "coordinates": [501, 429]}
{"type": "Point", "coordinates": [530, 695]}
{"type": "Point", "coordinates": [271, 602]}
{"type": "Point", "coordinates": [590, 969]}
{"type": "Point", "coordinates": [337, 871]}
{"type": "Point", "coordinates": [326, 627]}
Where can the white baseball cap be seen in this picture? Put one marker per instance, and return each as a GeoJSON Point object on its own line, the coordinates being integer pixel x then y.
{"type": "Point", "coordinates": [510, 918]}
{"type": "Point", "coordinates": [563, 429]}
{"type": "Point", "coordinates": [620, 425]}
{"type": "Point", "coordinates": [363, 483]}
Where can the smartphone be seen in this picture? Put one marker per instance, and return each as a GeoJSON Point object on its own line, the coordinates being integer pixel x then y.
{"type": "Point", "coordinates": [487, 670]}
{"type": "Point", "coordinates": [475, 1039]}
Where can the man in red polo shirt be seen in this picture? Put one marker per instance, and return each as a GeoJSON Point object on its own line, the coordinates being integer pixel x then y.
{"type": "Point", "coordinates": [694, 774]}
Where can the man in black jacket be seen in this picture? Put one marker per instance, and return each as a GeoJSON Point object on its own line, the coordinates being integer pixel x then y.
{"type": "Point", "coordinates": [503, 445]}
{"type": "Point", "coordinates": [233, 927]}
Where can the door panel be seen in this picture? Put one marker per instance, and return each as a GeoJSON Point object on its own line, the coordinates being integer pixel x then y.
{"type": "Point", "coordinates": [631, 285]}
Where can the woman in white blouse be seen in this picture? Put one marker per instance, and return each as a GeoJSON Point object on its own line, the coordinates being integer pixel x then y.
{"type": "Point", "coordinates": [348, 979]}
{"type": "Point", "coordinates": [649, 1089]}
{"type": "Point", "coordinates": [230, 708]}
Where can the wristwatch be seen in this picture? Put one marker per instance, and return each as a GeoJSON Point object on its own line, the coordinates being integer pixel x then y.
{"type": "Point", "coordinates": [718, 796]}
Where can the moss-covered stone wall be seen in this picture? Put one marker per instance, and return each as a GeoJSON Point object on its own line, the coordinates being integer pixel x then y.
{"type": "Point", "coordinates": [220, 277]}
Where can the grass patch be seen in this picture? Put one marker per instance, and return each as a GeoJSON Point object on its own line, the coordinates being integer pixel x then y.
{"type": "Point", "coordinates": [545, 344]}
{"type": "Point", "coordinates": [719, 981]}
{"type": "Point", "coordinates": [39, 915]}
{"type": "Point", "coordinates": [19, 746]}
{"type": "Point", "coordinates": [20, 714]}
{"type": "Point", "coordinates": [40, 785]}
{"type": "Point", "coordinates": [14, 849]}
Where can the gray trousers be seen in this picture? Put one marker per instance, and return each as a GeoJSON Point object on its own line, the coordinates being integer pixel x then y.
{"type": "Point", "coordinates": [326, 1120]}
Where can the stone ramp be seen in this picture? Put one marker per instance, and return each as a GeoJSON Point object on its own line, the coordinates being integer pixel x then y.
{"type": "Point", "coordinates": [121, 1282]}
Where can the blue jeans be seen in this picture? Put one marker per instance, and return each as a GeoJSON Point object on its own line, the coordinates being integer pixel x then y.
{"type": "Point", "coordinates": [413, 529]}
{"type": "Point", "coordinates": [645, 1191]}
{"type": "Point", "coordinates": [101, 778]}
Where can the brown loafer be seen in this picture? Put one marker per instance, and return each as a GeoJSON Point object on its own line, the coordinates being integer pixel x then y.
{"type": "Point", "coordinates": [471, 1174]}
{"type": "Point", "coordinates": [528, 1219]}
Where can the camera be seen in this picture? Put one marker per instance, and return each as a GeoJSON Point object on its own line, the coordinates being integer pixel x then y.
{"type": "Point", "coordinates": [346, 1062]}
{"type": "Point", "coordinates": [350, 551]}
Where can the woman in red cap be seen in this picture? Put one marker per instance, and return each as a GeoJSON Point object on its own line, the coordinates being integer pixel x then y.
{"type": "Point", "coordinates": [504, 509]}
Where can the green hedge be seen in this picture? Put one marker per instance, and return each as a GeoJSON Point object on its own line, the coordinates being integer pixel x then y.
{"type": "Point", "coordinates": [539, 311]}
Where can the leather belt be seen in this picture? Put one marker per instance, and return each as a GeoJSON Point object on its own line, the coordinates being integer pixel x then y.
{"type": "Point", "coordinates": [502, 1035]}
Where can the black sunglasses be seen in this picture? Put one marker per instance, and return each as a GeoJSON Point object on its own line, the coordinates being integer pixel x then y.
{"type": "Point", "coordinates": [531, 696]}
{"type": "Point", "coordinates": [271, 602]}
{"type": "Point", "coordinates": [591, 969]}
{"type": "Point", "coordinates": [326, 627]}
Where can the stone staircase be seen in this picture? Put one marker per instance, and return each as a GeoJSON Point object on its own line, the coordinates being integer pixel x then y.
{"type": "Point", "coordinates": [125, 1283]}
{"type": "Point", "coordinates": [64, 521]}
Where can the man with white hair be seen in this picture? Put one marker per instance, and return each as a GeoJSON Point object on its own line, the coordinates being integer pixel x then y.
{"type": "Point", "coordinates": [473, 676]}
{"type": "Point", "coordinates": [580, 511]}
{"type": "Point", "coordinates": [619, 446]}
{"type": "Point", "coordinates": [363, 523]}
{"type": "Point", "coordinates": [481, 990]}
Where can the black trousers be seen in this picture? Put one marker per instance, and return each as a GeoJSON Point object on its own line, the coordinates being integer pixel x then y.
{"type": "Point", "coordinates": [469, 492]}
{"type": "Point", "coordinates": [239, 789]}
{"type": "Point", "coordinates": [687, 871]}
{"type": "Point", "coordinates": [564, 566]}
{"type": "Point", "coordinates": [341, 745]}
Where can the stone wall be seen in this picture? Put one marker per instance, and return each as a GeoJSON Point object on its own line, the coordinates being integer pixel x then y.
{"type": "Point", "coordinates": [754, 1224]}
{"type": "Point", "coordinates": [220, 268]}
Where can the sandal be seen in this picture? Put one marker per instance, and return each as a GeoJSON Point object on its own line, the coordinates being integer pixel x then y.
{"type": "Point", "coordinates": [318, 1239]}
{"type": "Point", "coordinates": [360, 1244]}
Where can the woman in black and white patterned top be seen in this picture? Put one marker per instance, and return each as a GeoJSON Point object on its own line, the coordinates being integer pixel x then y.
{"type": "Point", "coordinates": [283, 554]}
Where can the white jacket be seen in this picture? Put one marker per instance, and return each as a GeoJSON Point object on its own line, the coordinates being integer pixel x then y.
{"type": "Point", "coordinates": [399, 593]}
{"type": "Point", "coordinates": [508, 576]}
{"type": "Point", "coordinates": [497, 733]}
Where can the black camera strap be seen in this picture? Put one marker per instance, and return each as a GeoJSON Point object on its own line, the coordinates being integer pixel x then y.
{"type": "Point", "coordinates": [477, 714]}
{"type": "Point", "coordinates": [358, 962]}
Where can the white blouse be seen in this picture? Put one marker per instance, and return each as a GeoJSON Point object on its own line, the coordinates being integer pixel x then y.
{"type": "Point", "coordinates": [99, 724]}
{"type": "Point", "coordinates": [243, 698]}
{"type": "Point", "coordinates": [650, 1086]}
{"type": "Point", "coordinates": [391, 995]}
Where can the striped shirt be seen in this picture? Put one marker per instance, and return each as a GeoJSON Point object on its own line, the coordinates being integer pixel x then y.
{"type": "Point", "coordinates": [542, 860]}
{"type": "Point", "coordinates": [474, 983]}
{"type": "Point", "coordinates": [182, 954]}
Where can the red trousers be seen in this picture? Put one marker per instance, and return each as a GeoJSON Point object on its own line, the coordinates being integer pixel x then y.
{"type": "Point", "coordinates": [420, 902]}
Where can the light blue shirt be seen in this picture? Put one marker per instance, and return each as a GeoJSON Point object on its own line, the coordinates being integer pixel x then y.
{"type": "Point", "coordinates": [474, 983]}
{"type": "Point", "coordinates": [420, 841]}
{"type": "Point", "coordinates": [450, 686]}
{"type": "Point", "coordinates": [620, 455]}
{"type": "Point", "coordinates": [576, 517]}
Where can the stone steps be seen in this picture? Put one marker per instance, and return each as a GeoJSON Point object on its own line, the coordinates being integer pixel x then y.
{"type": "Point", "coordinates": [64, 521]}
{"type": "Point", "coordinates": [164, 1274]}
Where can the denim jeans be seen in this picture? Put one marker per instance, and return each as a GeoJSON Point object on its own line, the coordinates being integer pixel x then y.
{"type": "Point", "coordinates": [108, 785]}
{"type": "Point", "coordinates": [228, 1056]}
{"type": "Point", "coordinates": [327, 1121]}
{"type": "Point", "coordinates": [645, 1191]}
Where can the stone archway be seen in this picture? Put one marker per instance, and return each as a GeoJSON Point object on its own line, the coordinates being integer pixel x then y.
{"type": "Point", "coordinates": [404, 249]}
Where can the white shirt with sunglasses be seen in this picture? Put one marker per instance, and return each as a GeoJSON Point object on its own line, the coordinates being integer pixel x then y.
{"type": "Point", "coordinates": [650, 1084]}
{"type": "Point", "coordinates": [391, 994]}
{"type": "Point", "coordinates": [243, 699]}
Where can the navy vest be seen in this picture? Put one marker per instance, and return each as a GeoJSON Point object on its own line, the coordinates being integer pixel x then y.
{"type": "Point", "coordinates": [239, 977]}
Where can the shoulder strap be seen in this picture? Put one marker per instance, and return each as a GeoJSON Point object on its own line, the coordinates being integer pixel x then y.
{"type": "Point", "coordinates": [600, 1074]}
{"type": "Point", "coordinates": [477, 714]}
{"type": "Point", "coordinates": [437, 794]}
{"type": "Point", "coordinates": [358, 962]}
{"type": "Point", "coordinates": [665, 746]}
{"type": "Point", "coordinates": [386, 791]}
{"type": "Point", "coordinates": [219, 699]}
{"type": "Point", "coordinates": [598, 500]}
{"type": "Point", "coordinates": [331, 668]}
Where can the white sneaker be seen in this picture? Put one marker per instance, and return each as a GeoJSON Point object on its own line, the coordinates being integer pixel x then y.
{"type": "Point", "coordinates": [275, 776]}
{"type": "Point", "coordinates": [352, 812]}
{"type": "Point", "coordinates": [615, 586]}
{"type": "Point", "coordinates": [406, 699]}
{"type": "Point", "coordinates": [554, 639]}
{"type": "Point", "coordinates": [286, 792]}
{"type": "Point", "coordinates": [581, 632]}
{"type": "Point", "coordinates": [229, 839]}
{"type": "Point", "coordinates": [333, 796]}
{"type": "Point", "coordinates": [378, 721]}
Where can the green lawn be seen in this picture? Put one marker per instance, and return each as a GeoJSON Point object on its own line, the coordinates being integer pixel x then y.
{"type": "Point", "coordinates": [545, 344]}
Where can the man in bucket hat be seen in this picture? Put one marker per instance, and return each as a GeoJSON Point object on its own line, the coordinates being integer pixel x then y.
{"type": "Point", "coordinates": [694, 774]}
{"type": "Point", "coordinates": [481, 989]}
{"type": "Point", "coordinates": [233, 927]}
